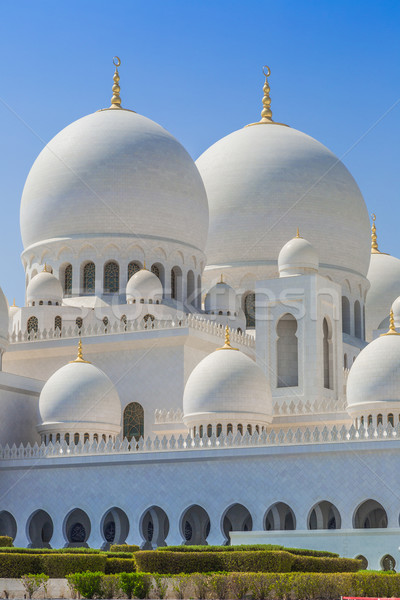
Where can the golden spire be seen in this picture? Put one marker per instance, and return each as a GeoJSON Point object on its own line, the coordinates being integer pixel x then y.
{"type": "Point", "coordinates": [227, 345]}
{"type": "Point", "coordinates": [222, 279]}
{"type": "Point", "coordinates": [266, 113]}
{"type": "Point", "coordinates": [116, 99]}
{"type": "Point", "coordinates": [392, 328]}
{"type": "Point", "coordinates": [79, 358]}
{"type": "Point", "coordinates": [13, 302]}
{"type": "Point", "coordinates": [374, 243]}
{"type": "Point", "coordinates": [144, 266]}
{"type": "Point", "coordinates": [298, 234]}
{"type": "Point", "coordinates": [46, 268]}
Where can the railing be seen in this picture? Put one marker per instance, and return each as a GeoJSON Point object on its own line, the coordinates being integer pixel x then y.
{"type": "Point", "coordinates": [264, 439]}
{"type": "Point", "coordinates": [118, 327]}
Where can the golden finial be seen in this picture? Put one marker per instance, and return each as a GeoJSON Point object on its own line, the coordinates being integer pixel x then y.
{"type": "Point", "coordinates": [374, 243]}
{"type": "Point", "coordinates": [46, 268]}
{"type": "Point", "coordinates": [79, 358]}
{"type": "Point", "coordinates": [298, 234]}
{"type": "Point", "coordinates": [116, 99]}
{"type": "Point", "coordinates": [13, 302]}
{"type": "Point", "coordinates": [266, 113]}
{"type": "Point", "coordinates": [392, 328]}
{"type": "Point", "coordinates": [144, 266]}
{"type": "Point", "coordinates": [222, 279]}
{"type": "Point", "coordinates": [227, 345]}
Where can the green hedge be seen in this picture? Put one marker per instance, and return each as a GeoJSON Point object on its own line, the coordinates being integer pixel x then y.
{"type": "Point", "coordinates": [191, 562]}
{"type": "Point", "coordinates": [52, 550]}
{"type": "Point", "coordinates": [53, 565]}
{"type": "Point", "coordinates": [247, 548]}
{"type": "Point", "coordinates": [312, 564]}
{"type": "Point", "coordinates": [120, 565]}
{"type": "Point", "coordinates": [6, 541]}
{"type": "Point", "coordinates": [124, 548]}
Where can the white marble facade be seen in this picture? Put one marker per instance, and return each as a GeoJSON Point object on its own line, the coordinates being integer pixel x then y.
{"type": "Point", "coordinates": [221, 395]}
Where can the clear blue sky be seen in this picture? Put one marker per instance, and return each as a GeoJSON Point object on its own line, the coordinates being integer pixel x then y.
{"type": "Point", "coordinates": [195, 67]}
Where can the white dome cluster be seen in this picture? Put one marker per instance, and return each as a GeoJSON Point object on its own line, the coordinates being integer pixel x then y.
{"type": "Point", "coordinates": [144, 286]}
{"type": "Point", "coordinates": [227, 388]}
{"type": "Point", "coordinates": [44, 288]}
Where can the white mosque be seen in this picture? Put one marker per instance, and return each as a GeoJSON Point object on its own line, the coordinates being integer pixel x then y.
{"type": "Point", "coordinates": [237, 370]}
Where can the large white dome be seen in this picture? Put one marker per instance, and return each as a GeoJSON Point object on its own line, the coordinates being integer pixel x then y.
{"type": "Point", "coordinates": [114, 173]}
{"type": "Point", "coordinates": [79, 396]}
{"type": "Point", "coordinates": [384, 277]}
{"type": "Point", "coordinates": [263, 182]}
{"type": "Point", "coordinates": [227, 385]}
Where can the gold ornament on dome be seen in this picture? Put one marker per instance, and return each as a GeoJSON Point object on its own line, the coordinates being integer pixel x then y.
{"type": "Point", "coordinates": [227, 345]}
{"type": "Point", "coordinates": [116, 98]}
{"type": "Point", "coordinates": [266, 113]}
{"type": "Point", "coordinates": [374, 239]}
{"type": "Point", "coordinates": [79, 358]}
{"type": "Point", "coordinates": [392, 328]}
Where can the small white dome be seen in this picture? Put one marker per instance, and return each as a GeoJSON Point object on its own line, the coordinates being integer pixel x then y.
{"type": "Point", "coordinates": [297, 257]}
{"type": "Point", "coordinates": [4, 322]}
{"type": "Point", "coordinates": [384, 277]}
{"type": "Point", "coordinates": [221, 297]}
{"type": "Point", "coordinates": [144, 285]}
{"type": "Point", "coordinates": [226, 386]}
{"type": "Point", "coordinates": [373, 384]}
{"type": "Point", "coordinates": [79, 397]}
{"type": "Point", "coordinates": [44, 287]}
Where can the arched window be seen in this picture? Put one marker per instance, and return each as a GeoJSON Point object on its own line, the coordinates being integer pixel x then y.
{"type": "Point", "coordinates": [176, 283]}
{"type": "Point", "coordinates": [67, 280]}
{"type": "Point", "coordinates": [133, 268]}
{"type": "Point", "coordinates": [198, 302]}
{"type": "Point", "coordinates": [219, 429]}
{"type": "Point", "coordinates": [240, 428]}
{"type": "Point", "coordinates": [357, 320]}
{"type": "Point", "coordinates": [190, 292]}
{"type": "Point", "coordinates": [369, 419]}
{"type": "Point", "coordinates": [249, 307]}
{"type": "Point", "coordinates": [390, 419]}
{"type": "Point", "coordinates": [379, 420]}
{"type": "Point", "coordinates": [345, 315]}
{"type": "Point", "coordinates": [66, 438]}
{"type": "Point", "coordinates": [111, 278]}
{"type": "Point", "coordinates": [287, 352]}
{"type": "Point", "coordinates": [201, 431]}
{"type": "Point", "coordinates": [79, 322]}
{"type": "Point", "coordinates": [88, 279]}
{"type": "Point", "coordinates": [155, 269]}
{"type": "Point", "coordinates": [85, 437]}
{"type": "Point", "coordinates": [149, 321]}
{"type": "Point", "coordinates": [58, 437]}
{"type": "Point", "coordinates": [105, 322]}
{"type": "Point", "coordinates": [249, 429]}
{"type": "Point", "coordinates": [229, 428]}
{"type": "Point", "coordinates": [345, 361]}
{"type": "Point", "coordinates": [327, 352]}
{"type": "Point", "coordinates": [209, 430]}
{"type": "Point", "coordinates": [32, 325]}
{"type": "Point", "coordinates": [76, 438]}
{"type": "Point", "coordinates": [58, 322]}
{"type": "Point", "coordinates": [134, 421]}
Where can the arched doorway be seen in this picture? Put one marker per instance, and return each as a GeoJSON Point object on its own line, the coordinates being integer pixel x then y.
{"type": "Point", "coordinates": [324, 515]}
{"type": "Point", "coordinates": [40, 529]}
{"type": "Point", "coordinates": [8, 525]}
{"type": "Point", "coordinates": [236, 518]}
{"type": "Point", "coordinates": [195, 525]}
{"type": "Point", "coordinates": [77, 528]}
{"type": "Point", "coordinates": [154, 528]}
{"type": "Point", "coordinates": [279, 517]}
{"type": "Point", "coordinates": [370, 515]}
{"type": "Point", "coordinates": [114, 527]}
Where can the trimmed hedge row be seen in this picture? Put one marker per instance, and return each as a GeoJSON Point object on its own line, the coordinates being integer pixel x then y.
{"type": "Point", "coordinates": [192, 562]}
{"type": "Point", "coordinates": [51, 550]}
{"type": "Point", "coordinates": [244, 562]}
{"type": "Point", "coordinates": [247, 548]}
{"type": "Point", "coordinates": [124, 548]}
{"type": "Point", "coordinates": [60, 565]}
{"type": "Point", "coordinates": [6, 541]}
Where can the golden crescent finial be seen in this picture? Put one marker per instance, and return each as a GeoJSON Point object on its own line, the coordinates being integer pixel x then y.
{"type": "Point", "coordinates": [374, 242]}
{"type": "Point", "coordinates": [79, 358]}
{"type": "Point", "coordinates": [268, 73]}
{"type": "Point", "coordinates": [392, 327]}
{"type": "Point", "coordinates": [227, 345]}
{"type": "Point", "coordinates": [116, 61]}
{"type": "Point", "coordinates": [116, 98]}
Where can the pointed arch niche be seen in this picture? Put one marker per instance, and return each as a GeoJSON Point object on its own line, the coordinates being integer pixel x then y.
{"type": "Point", "coordinates": [287, 352]}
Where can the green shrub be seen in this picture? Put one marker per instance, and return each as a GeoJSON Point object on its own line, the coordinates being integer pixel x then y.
{"type": "Point", "coordinates": [180, 585]}
{"type": "Point", "coordinates": [86, 584]}
{"type": "Point", "coordinates": [16, 565]}
{"type": "Point", "coordinates": [246, 548]}
{"type": "Point", "coordinates": [120, 565]}
{"type": "Point", "coordinates": [239, 585]}
{"type": "Point", "coordinates": [219, 585]}
{"type": "Point", "coordinates": [51, 550]}
{"type": "Point", "coordinates": [135, 585]}
{"type": "Point", "coordinates": [119, 554]}
{"type": "Point", "coordinates": [109, 586]}
{"type": "Point", "coordinates": [59, 565]}
{"type": "Point", "coordinates": [313, 564]}
{"type": "Point", "coordinates": [192, 562]}
{"type": "Point", "coordinates": [6, 541]}
{"type": "Point", "coordinates": [124, 548]}
{"type": "Point", "coordinates": [160, 586]}
{"type": "Point", "coordinates": [201, 585]}
{"type": "Point", "coordinates": [33, 582]}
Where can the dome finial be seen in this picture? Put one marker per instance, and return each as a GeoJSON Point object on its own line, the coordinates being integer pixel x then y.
{"type": "Point", "coordinates": [79, 358]}
{"type": "Point", "coordinates": [144, 266]}
{"type": "Point", "coordinates": [222, 279]}
{"type": "Point", "coordinates": [46, 268]}
{"type": "Point", "coordinates": [298, 234]}
{"type": "Point", "coordinates": [116, 99]}
{"type": "Point", "coordinates": [266, 113]}
{"type": "Point", "coordinates": [374, 243]}
{"type": "Point", "coordinates": [13, 302]}
{"type": "Point", "coordinates": [392, 328]}
{"type": "Point", "coordinates": [227, 345]}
